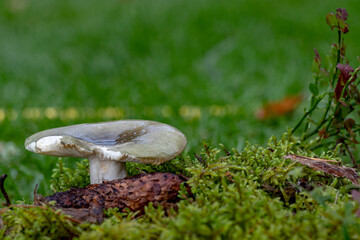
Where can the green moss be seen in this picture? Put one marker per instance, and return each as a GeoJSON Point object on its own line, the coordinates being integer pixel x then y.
{"type": "Point", "coordinates": [38, 223]}
{"type": "Point", "coordinates": [64, 178]}
{"type": "Point", "coordinates": [251, 194]}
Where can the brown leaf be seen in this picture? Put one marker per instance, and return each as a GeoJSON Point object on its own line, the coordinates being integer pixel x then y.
{"type": "Point", "coordinates": [133, 193]}
{"type": "Point", "coordinates": [323, 134]}
{"type": "Point", "coordinates": [323, 166]}
{"type": "Point", "coordinates": [279, 108]}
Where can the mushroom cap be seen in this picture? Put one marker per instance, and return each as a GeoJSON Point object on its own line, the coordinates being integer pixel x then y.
{"type": "Point", "coordinates": [125, 140]}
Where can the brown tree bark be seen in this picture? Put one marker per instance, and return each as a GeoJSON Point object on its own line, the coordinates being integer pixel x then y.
{"type": "Point", "coordinates": [133, 193]}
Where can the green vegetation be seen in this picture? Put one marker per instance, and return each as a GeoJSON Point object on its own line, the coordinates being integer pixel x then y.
{"type": "Point", "coordinates": [204, 67]}
{"type": "Point", "coordinates": [253, 194]}
{"type": "Point", "coordinates": [64, 178]}
{"type": "Point", "coordinates": [335, 96]}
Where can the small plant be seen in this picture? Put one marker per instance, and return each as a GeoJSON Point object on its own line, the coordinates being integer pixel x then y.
{"type": "Point", "coordinates": [64, 178]}
{"type": "Point", "coordinates": [335, 97]}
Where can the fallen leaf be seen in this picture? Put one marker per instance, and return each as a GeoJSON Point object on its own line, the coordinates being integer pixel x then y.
{"type": "Point", "coordinates": [323, 134]}
{"type": "Point", "coordinates": [323, 165]}
{"type": "Point", "coordinates": [278, 108]}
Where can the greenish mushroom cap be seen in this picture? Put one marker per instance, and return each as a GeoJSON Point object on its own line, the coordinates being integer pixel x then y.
{"type": "Point", "coordinates": [125, 140]}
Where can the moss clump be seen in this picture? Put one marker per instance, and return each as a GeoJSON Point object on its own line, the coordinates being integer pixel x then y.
{"type": "Point", "coordinates": [252, 194]}
{"type": "Point", "coordinates": [40, 222]}
{"type": "Point", "coordinates": [64, 178]}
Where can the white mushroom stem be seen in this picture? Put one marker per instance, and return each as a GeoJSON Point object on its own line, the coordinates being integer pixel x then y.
{"type": "Point", "coordinates": [101, 170]}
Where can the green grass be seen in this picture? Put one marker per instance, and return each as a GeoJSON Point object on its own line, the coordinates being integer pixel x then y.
{"type": "Point", "coordinates": [147, 56]}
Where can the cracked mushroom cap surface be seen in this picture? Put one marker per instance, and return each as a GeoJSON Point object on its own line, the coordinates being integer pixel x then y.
{"type": "Point", "coordinates": [125, 140]}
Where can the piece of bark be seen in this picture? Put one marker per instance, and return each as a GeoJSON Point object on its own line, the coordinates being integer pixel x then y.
{"type": "Point", "coordinates": [133, 193]}
{"type": "Point", "coordinates": [323, 166]}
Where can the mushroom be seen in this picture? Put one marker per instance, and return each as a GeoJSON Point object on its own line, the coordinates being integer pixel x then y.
{"type": "Point", "coordinates": [108, 145]}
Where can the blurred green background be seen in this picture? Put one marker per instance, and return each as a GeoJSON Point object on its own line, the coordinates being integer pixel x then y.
{"type": "Point", "coordinates": [203, 66]}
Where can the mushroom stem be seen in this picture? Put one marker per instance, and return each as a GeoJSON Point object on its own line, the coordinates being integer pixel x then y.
{"type": "Point", "coordinates": [101, 170]}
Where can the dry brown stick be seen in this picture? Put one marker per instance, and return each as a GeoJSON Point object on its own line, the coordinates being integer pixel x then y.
{"type": "Point", "coordinates": [2, 188]}
{"type": "Point", "coordinates": [295, 157]}
{"type": "Point", "coordinates": [38, 198]}
{"type": "Point", "coordinates": [35, 189]}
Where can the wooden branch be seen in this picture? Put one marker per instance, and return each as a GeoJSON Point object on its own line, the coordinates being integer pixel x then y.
{"type": "Point", "coordinates": [2, 188]}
